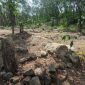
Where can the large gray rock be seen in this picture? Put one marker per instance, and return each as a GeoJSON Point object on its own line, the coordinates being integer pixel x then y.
{"type": "Point", "coordinates": [35, 81]}
{"type": "Point", "coordinates": [59, 49]}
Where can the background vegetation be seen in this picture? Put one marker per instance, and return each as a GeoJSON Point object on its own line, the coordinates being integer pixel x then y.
{"type": "Point", "coordinates": [67, 15]}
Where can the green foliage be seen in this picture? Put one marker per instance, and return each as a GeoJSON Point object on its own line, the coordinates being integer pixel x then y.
{"type": "Point", "coordinates": [67, 15]}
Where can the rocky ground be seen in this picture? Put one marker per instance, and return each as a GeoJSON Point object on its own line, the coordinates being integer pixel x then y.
{"type": "Point", "coordinates": [45, 59]}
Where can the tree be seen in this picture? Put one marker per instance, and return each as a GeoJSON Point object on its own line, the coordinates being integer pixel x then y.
{"type": "Point", "coordinates": [11, 11]}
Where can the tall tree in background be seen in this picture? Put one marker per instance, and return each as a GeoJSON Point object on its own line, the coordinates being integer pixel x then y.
{"type": "Point", "coordinates": [12, 10]}
{"type": "Point", "coordinates": [79, 10]}
{"type": "Point", "coordinates": [64, 12]}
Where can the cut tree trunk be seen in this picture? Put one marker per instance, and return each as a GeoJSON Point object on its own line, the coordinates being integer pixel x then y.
{"type": "Point", "coordinates": [12, 30]}
{"type": "Point", "coordinates": [8, 56]}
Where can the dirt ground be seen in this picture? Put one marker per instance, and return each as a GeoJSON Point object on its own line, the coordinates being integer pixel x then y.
{"type": "Point", "coordinates": [40, 37]}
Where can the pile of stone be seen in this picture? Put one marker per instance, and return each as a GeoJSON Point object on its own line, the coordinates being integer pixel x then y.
{"type": "Point", "coordinates": [50, 76]}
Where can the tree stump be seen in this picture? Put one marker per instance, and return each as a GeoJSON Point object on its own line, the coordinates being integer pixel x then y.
{"type": "Point", "coordinates": [8, 56]}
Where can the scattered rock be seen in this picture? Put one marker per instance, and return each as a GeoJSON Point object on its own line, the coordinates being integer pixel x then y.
{"type": "Point", "coordinates": [22, 60]}
{"type": "Point", "coordinates": [69, 65]}
{"type": "Point", "coordinates": [38, 71]}
{"type": "Point", "coordinates": [59, 49]}
{"type": "Point", "coordinates": [7, 76]}
{"type": "Point", "coordinates": [31, 57]}
{"type": "Point", "coordinates": [15, 79]}
{"type": "Point", "coordinates": [60, 66]}
{"type": "Point", "coordinates": [2, 74]}
{"type": "Point", "coordinates": [26, 80]}
{"type": "Point", "coordinates": [29, 73]}
{"type": "Point", "coordinates": [46, 80]}
{"type": "Point", "coordinates": [66, 83]}
{"type": "Point", "coordinates": [74, 59]}
{"type": "Point", "coordinates": [62, 75]}
{"type": "Point", "coordinates": [44, 53]}
{"type": "Point", "coordinates": [21, 50]}
{"type": "Point", "coordinates": [35, 81]}
{"type": "Point", "coordinates": [52, 68]}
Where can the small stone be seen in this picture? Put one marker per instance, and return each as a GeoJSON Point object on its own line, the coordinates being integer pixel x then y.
{"type": "Point", "coordinates": [26, 80]}
{"type": "Point", "coordinates": [44, 53]}
{"type": "Point", "coordinates": [2, 73]}
{"type": "Point", "coordinates": [66, 83]}
{"type": "Point", "coordinates": [35, 81]}
{"type": "Point", "coordinates": [7, 76]}
{"type": "Point", "coordinates": [74, 59]}
{"type": "Point", "coordinates": [38, 71]}
{"type": "Point", "coordinates": [55, 80]}
{"type": "Point", "coordinates": [52, 68]}
{"type": "Point", "coordinates": [62, 75]}
{"type": "Point", "coordinates": [29, 73]}
{"type": "Point", "coordinates": [21, 50]}
{"type": "Point", "coordinates": [14, 79]}
{"type": "Point", "coordinates": [22, 60]}
{"type": "Point", "coordinates": [69, 65]}
{"type": "Point", "coordinates": [47, 80]}
{"type": "Point", "coordinates": [31, 57]}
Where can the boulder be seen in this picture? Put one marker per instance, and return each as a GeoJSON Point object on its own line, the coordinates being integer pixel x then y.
{"type": "Point", "coordinates": [59, 49]}
{"type": "Point", "coordinates": [35, 81]}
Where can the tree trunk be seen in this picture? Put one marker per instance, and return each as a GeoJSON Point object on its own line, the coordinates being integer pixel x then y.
{"type": "Point", "coordinates": [8, 55]}
{"type": "Point", "coordinates": [80, 21]}
{"type": "Point", "coordinates": [12, 30]}
{"type": "Point", "coordinates": [79, 16]}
